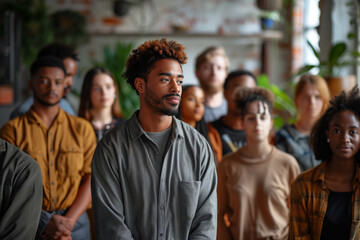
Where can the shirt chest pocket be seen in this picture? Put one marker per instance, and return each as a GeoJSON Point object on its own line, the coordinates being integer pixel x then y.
{"type": "Point", "coordinates": [70, 161]}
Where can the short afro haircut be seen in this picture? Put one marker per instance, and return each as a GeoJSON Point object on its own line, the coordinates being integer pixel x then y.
{"type": "Point", "coordinates": [318, 140]}
{"type": "Point", "coordinates": [243, 96]}
{"type": "Point", "coordinates": [47, 61]}
{"type": "Point", "coordinates": [238, 73]}
{"type": "Point", "coordinates": [142, 59]}
{"type": "Point", "coordinates": [58, 50]}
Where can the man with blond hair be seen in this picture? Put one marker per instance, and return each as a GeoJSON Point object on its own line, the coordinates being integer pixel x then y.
{"type": "Point", "coordinates": [211, 70]}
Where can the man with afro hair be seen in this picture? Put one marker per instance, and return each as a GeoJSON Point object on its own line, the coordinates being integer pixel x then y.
{"type": "Point", "coordinates": [154, 176]}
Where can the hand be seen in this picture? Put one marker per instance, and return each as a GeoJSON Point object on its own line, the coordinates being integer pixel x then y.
{"type": "Point", "coordinates": [59, 227]}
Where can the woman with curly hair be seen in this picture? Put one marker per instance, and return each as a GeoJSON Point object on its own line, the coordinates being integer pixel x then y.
{"type": "Point", "coordinates": [254, 182]}
{"type": "Point", "coordinates": [325, 201]}
{"type": "Point", "coordinates": [191, 111]}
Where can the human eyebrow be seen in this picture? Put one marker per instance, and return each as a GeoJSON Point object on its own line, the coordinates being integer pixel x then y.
{"type": "Point", "coordinates": [169, 75]}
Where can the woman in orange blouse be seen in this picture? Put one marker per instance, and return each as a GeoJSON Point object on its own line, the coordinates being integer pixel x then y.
{"type": "Point", "coordinates": [325, 200]}
{"type": "Point", "coordinates": [191, 111]}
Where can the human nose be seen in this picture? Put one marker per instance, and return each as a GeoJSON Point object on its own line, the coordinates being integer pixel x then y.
{"type": "Point", "coordinates": [69, 81]}
{"type": "Point", "coordinates": [175, 86]}
{"type": "Point", "coordinates": [52, 85]}
{"type": "Point", "coordinates": [345, 137]}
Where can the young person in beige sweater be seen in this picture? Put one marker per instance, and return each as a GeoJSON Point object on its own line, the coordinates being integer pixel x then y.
{"type": "Point", "coordinates": [254, 182]}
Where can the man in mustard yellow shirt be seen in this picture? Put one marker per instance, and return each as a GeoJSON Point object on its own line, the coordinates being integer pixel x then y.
{"type": "Point", "coordinates": [63, 146]}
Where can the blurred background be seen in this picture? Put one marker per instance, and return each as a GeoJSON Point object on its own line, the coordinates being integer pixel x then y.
{"type": "Point", "coordinates": [275, 39]}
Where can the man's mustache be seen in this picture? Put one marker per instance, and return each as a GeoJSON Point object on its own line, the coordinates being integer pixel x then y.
{"type": "Point", "coordinates": [171, 95]}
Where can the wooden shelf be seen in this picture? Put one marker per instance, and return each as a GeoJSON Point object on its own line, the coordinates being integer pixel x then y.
{"type": "Point", "coordinates": [265, 35]}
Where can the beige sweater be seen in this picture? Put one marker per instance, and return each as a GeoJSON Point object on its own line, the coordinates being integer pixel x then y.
{"type": "Point", "coordinates": [254, 193]}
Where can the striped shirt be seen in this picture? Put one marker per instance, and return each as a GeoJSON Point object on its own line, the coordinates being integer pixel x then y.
{"type": "Point", "coordinates": [308, 203]}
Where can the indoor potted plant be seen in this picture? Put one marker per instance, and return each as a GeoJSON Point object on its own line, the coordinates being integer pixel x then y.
{"type": "Point", "coordinates": [114, 60]}
{"type": "Point", "coordinates": [327, 69]}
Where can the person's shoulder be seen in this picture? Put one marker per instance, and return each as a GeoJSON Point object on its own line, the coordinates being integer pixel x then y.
{"type": "Point", "coordinates": [15, 122]}
{"type": "Point", "coordinates": [187, 130]}
{"type": "Point", "coordinates": [17, 158]}
{"type": "Point", "coordinates": [305, 180]}
{"type": "Point", "coordinates": [284, 132]}
{"type": "Point", "coordinates": [231, 157]}
{"type": "Point", "coordinates": [284, 157]}
{"type": "Point", "coordinates": [22, 108]}
{"type": "Point", "coordinates": [119, 134]}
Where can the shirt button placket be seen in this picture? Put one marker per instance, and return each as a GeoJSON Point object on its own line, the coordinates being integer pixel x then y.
{"type": "Point", "coordinates": [51, 172]}
{"type": "Point", "coordinates": [162, 208]}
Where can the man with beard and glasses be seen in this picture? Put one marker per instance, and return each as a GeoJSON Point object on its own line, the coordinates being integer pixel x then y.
{"type": "Point", "coordinates": [154, 177]}
{"type": "Point", "coordinates": [211, 69]}
{"type": "Point", "coordinates": [69, 58]}
{"type": "Point", "coordinates": [63, 146]}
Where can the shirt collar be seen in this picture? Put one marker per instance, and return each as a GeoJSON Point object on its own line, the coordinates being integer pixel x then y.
{"type": "Point", "coordinates": [319, 173]}
{"type": "Point", "coordinates": [136, 130]}
{"type": "Point", "coordinates": [35, 118]}
{"type": "Point", "coordinates": [294, 133]}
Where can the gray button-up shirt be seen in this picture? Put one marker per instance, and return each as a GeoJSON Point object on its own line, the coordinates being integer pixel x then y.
{"type": "Point", "coordinates": [21, 193]}
{"type": "Point", "coordinates": [131, 201]}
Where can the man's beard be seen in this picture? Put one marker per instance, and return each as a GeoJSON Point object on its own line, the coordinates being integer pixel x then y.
{"type": "Point", "coordinates": [155, 103]}
{"type": "Point", "coordinates": [211, 89]}
{"type": "Point", "coordinates": [47, 104]}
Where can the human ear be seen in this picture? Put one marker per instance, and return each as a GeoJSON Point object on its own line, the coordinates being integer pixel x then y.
{"type": "Point", "coordinates": [139, 84]}
{"type": "Point", "coordinates": [327, 134]}
{"type": "Point", "coordinates": [30, 82]}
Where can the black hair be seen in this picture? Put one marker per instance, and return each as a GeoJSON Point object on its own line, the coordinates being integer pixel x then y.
{"type": "Point", "coordinates": [238, 73]}
{"type": "Point", "coordinates": [318, 140]}
{"type": "Point", "coordinates": [58, 50]}
{"type": "Point", "coordinates": [243, 96]}
{"type": "Point", "coordinates": [142, 59]}
{"type": "Point", "coordinates": [47, 61]}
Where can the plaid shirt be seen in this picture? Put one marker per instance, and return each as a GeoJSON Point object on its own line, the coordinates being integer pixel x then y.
{"type": "Point", "coordinates": [309, 199]}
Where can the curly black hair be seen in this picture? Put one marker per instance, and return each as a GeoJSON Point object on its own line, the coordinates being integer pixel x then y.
{"type": "Point", "coordinates": [243, 96]}
{"type": "Point", "coordinates": [142, 59]}
{"type": "Point", "coordinates": [318, 140]}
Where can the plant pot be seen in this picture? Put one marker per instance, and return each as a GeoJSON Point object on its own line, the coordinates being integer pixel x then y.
{"type": "Point", "coordinates": [269, 5]}
{"type": "Point", "coordinates": [121, 7]}
{"type": "Point", "coordinates": [338, 84]}
{"type": "Point", "coordinates": [6, 95]}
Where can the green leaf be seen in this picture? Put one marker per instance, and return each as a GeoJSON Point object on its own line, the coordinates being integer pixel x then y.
{"type": "Point", "coordinates": [351, 35]}
{"type": "Point", "coordinates": [316, 53]}
{"type": "Point", "coordinates": [305, 69]}
{"type": "Point", "coordinates": [336, 52]}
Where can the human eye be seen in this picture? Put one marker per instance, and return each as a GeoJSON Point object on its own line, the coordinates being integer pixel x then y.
{"type": "Point", "coordinates": [179, 82]}
{"type": "Point", "coordinates": [165, 80]}
{"type": "Point", "coordinates": [96, 89]}
{"type": "Point", "coordinates": [354, 132]}
{"type": "Point", "coordinates": [336, 131]}
{"type": "Point", "coordinates": [44, 81]}
{"type": "Point", "coordinates": [250, 118]}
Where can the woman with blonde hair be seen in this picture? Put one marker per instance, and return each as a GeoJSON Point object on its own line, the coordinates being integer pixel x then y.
{"type": "Point", "coordinates": [98, 103]}
{"type": "Point", "coordinates": [312, 98]}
